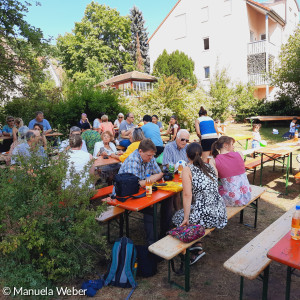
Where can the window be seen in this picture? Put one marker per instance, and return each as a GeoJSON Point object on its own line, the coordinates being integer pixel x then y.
{"type": "Point", "coordinates": [204, 14]}
{"type": "Point", "coordinates": [227, 7]}
{"type": "Point", "coordinates": [180, 26]}
{"type": "Point", "coordinates": [263, 37]}
{"type": "Point", "coordinates": [206, 43]}
{"type": "Point", "coordinates": [206, 72]}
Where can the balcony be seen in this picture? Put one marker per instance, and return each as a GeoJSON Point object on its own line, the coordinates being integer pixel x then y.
{"type": "Point", "coordinates": [258, 79]}
{"type": "Point", "coordinates": [261, 46]}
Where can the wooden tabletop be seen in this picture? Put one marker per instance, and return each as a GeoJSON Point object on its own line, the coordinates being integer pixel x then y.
{"type": "Point", "coordinates": [280, 148]}
{"type": "Point", "coordinates": [5, 137]}
{"type": "Point", "coordinates": [100, 161]}
{"type": "Point", "coordinates": [140, 203]}
{"type": "Point", "coordinates": [272, 118]}
{"type": "Point", "coordinates": [239, 137]}
{"type": "Point", "coordinates": [286, 251]}
{"type": "Point", "coordinates": [53, 134]}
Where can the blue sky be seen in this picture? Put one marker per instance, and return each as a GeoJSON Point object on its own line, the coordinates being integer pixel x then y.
{"type": "Point", "coordinates": [56, 17]}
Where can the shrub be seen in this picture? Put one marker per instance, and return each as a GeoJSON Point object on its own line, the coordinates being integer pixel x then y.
{"type": "Point", "coordinates": [45, 230]}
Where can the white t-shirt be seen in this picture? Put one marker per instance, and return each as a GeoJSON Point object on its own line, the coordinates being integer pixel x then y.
{"type": "Point", "coordinates": [292, 127]}
{"type": "Point", "coordinates": [64, 144]}
{"type": "Point", "coordinates": [96, 123]}
{"type": "Point", "coordinates": [256, 136]}
{"type": "Point", "coordinates": [77, 159]}
{"type": "Point", "coordinates": [117, 123]}
{"type": "Point", "coordinates": [100, 145]}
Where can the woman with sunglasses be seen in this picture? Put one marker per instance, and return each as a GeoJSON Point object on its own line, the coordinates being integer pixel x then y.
{"type": "Point", "coordinates": [8, 128]}
{"type": "Point", "coordinates": [118, 120]}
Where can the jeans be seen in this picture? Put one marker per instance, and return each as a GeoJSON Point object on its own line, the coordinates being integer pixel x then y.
{"type": "Point", "coordinates": [125, 143]}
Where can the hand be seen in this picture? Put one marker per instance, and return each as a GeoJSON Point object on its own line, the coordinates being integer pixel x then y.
{"type": "Point", "coordinates": [120, 152]}
{"type": "Point", "coordinates": [104, 153]}
{"type": "Point", "coordinates": [185, 222]}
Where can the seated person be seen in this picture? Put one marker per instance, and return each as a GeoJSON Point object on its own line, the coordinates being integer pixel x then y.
{"type": "Point", "coordinates": [84, 119]}
{"type": "Point", "coordinates": [173, 127]}
{"type": "Point", "coordinates": [106, 126]}
{"type": "Point", "coordinates": [39, 119]}
{"type": "Point", "coordinates": [135, 137]}
{"type": "Point", "coordinates": [18, 123]}
{"type": "Point", "coordinates": [21, 138]}
{"type": "Point", "coordinates": [118, 121]}
{"type": "Point", "coordinates": [78, 161]}
{"type": "Point", "coordinates": [155, 121]}
{"type": "Point", "coordinates": [140, 163]}
{"type": "Point", "coordinates": [106, 147]}
{"type": "Point", "coordinates": [25, 150]}
{"type": "Point", "coordinates": [97, 122]}
{"type": "Point", "coordinates": [256, 136]}
{"type": "Point", "coordinates": [64, 146]}
{"type": "Point", "coordinates": [40, 128]}
{"type": "Point", "coordinates": [151, 131]}
{"type": "Point", "coordinates": [91, 137]}
{"type": "Point", "coordinates": [229, 166]}
{"type": "Point", "coordinates": [200, 183]}
{"type": "Point", "coordinates": [7, 131]}
{"type": "Point", "coordinates": [125, 129]}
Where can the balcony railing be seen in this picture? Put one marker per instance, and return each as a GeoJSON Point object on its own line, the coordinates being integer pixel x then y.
{"type": "Point", "coordinates": [258, 79]}
{"type": "Point", "coordinates": [261, 46]}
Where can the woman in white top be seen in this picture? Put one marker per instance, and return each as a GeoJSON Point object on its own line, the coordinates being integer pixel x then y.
{"type": "Point", "coordinates": [106, 147]}
{"type": "Point", "coordinates": [78, 161]}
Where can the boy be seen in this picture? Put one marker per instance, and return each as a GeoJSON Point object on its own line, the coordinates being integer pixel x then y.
{"type": "Point", "coordinates": [293, 127]}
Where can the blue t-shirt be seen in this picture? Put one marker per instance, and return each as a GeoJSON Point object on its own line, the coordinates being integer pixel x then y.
{"type": "Point", "coordinates": [207, 127]}
{"type": "Point", "coordinates": [7, 129]}
{"type": "Point", "coordinates": [151, 131]}
{"type": "Point", "coordinates": [45, 124]}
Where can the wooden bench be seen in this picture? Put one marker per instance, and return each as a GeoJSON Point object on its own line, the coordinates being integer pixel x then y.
{"type": "Point", "coordinates": [103, 192]}
{"type": "Point", "coordinates": [112, 213]}
{"type": "Point", "coordinates": [252, 260]}
{"type": "Point", "coordinates": [169, 247]}
{"type": "Point", "coordinates": [253, 163]}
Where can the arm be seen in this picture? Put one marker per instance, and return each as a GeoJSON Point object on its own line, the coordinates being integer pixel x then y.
{"type": "Point", "coordinates": [153, 178]}
{"type": "Point", "coordinates": [216, 128]}
{"type": "Point", "coordinates": [187, 194]}
{"type": "Point", "coordinates": [92, 169]}
{"type": "Point", "coordinates": [169, 129]}
{"type": "Point", "coordinates": [15, 131]}
{"type": "Point", "coordinates": [212, 162]}
{"type": "Point", "coordinates": [175, 133]}
{"type": "Point", "coordinates": [197, 127]}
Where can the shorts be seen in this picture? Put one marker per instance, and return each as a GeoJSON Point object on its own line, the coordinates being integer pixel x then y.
{"type": "Point", "coordinates": [207, 143]}
{"type": "Point", "coordinates": [255, 144]}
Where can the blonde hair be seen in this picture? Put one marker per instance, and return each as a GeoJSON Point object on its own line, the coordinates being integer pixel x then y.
{"type": "Point", "coordinates": [104, 118]}
{"type": "Point", "coordinates": [109, 134]}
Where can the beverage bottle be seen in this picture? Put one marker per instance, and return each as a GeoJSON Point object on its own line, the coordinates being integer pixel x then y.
{"type": "Point", "coordinates": [296, 135]}
{"type": "Point", "coordinates": [171, 168]}
{"type": "Point", "coordinates": [295, 232]}
{"type": "Point", "coordinates": [180, 167]}
{"type": "Point", "coordinates": [148, 186]}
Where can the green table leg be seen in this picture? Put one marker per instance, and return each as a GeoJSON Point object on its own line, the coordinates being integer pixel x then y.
{"type": "Point", "coordinates": [288, 283]}
{"type": "Point", "coordinates": [287, 173]}
{"type": "Point", "coordinates": [155, 221]}
{"type": "Point", "coordinates": [246, 147]}
{"type": "Point", "coordinates": [261, 168]}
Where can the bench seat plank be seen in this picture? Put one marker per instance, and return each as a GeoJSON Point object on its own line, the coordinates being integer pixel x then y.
{"type": "Point", "coordinates": [110, 213]}
{"type": "Point", "coordinates": [252, 259]}
{"type": "Point", "coordinates": [254, 162]}
{"type": "Point", "coordinates": [103, 192]}
{"type": "Point", "coordinates": [169, 247]}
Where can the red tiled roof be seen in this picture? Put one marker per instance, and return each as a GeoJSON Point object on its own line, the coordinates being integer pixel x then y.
{"type": "Point", "coordinates": [259, 4]}
{"type": "Point", "coordinates": [126, 76]}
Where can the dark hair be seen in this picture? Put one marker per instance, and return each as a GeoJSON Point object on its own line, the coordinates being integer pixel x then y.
{"type": "Point", "coordinates": [38, 113]}
{"type": "Point", "coordinates": [256, 126]}
{"type": "Point", "coordinates": [101, 114]}
{"type": "Point", "coordinates": [127, 115]}
{"type": "Point", "coordinates": [147, 145]}
{"type": "Point", "coordinates": [155, 116]}
{"type": "Point", "coordinates": [217, 120]}
{"type": "Point", "coordinates": [218, 145]}
{"type": "Point", "coordinates": [194, 152]}
{"type": "Point", "coordinates": [147, 118]}
{"type": "Point", "coordinates": [202, 111]}
{"type": "Point", "coordinates": [39, 125]}
{"type": "Point", "coordinates": [295, 118]}
{"type": "Point", "coordinates": [85, 126]}
{"type": "Point", "coordinates": [75, 141]}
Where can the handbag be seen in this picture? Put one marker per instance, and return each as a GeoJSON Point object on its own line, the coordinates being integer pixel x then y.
{"type": "Point", "coordinates": [187, 233]}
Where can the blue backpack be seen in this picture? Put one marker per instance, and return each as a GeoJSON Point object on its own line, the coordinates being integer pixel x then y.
{"type": "Point", "coordinates": [123, 265]}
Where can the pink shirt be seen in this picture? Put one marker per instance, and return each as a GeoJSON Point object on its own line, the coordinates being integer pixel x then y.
{"type": "Point", "coordinates": [229, 164]}
{"type": "Point", "coordinates": [107, 126]}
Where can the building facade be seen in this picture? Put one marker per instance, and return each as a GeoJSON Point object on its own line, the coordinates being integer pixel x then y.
{"type": "Point", "coordinates": [238, 35]}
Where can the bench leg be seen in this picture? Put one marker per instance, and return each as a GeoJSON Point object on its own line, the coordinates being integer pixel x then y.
{"type": "Point", "coordinates": [242, 216]}
{"type": "Point", "coordinates": [265, 283]}
{"type": "Point", "coordinates": [254, 172]}
{"type": "Point", "coordinates": [288, 283]}
{"type": "Point", "coordinates": [253, 205]}
{"type": "Point", "coordinates": [126, 222]}
{"type": "Point", "coordinates": [121, 225]}
{"type": "Point", "coordinates": [241, 287]}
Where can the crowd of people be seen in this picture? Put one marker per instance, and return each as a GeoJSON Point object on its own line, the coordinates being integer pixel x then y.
{"type": "Point", "coordinates": [208, 187]}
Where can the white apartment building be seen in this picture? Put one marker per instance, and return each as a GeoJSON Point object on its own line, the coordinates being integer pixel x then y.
{"type": "Point", "coordinates": [239, 35]}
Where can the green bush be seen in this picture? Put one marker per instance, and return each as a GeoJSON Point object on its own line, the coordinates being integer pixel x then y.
{"type": "Point", "coordinates": [46, 231]}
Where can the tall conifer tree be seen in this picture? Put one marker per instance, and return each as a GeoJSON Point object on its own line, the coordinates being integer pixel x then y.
{"type": "Point", "coordinates": [138, 31]}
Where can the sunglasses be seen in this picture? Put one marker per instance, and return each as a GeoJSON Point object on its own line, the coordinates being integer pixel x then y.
{"type": "Point", "coordinates": [10, 120]}
{"type": "Point", "coordinates": [120, 117]}
{"type": "Point", "coordinates": [185, 140]}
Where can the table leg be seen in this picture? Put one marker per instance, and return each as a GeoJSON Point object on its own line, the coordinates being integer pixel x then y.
{"type": "Point", "coordinates": [291, 163]}
{"type": "Point", "coordinates": [261, 168]}
{"type": "Point", "coordinates": [265, 283]}
{"type": "Point", "coordinates": [126, 223]}
{"type": "Point", "coordinates": [155, 221]}
{"type": "Point", "coordinates": [287, 173]}
{"type": "Point", "coordinates": [288, 283]}
{"type": "Point", "coordinates": [246, 146]}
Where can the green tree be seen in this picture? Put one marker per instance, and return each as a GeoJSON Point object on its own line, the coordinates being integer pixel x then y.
{"type": "Point", "coordinates": [287, 73]}
{"type": "Point", "coordinates": [97, 45]}
{"type": "Point", "coordinates": [20, 45]}
{"type": "Point", "coordinates": [139, 38]}
{"type": "Point", "coordinates": [177, 64]}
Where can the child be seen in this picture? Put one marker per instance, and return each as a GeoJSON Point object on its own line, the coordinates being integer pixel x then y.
{"type": "Point", "coordinates": [256, 136]}
{"type": "Point", "coordinates": [218, 123]}
{"type": "Point", "coordinates": [293, 127]}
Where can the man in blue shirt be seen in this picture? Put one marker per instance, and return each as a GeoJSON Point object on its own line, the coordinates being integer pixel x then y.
{"type": "Point", "coordinates": [39, 119]}
{"type": "Point", "coordinates": [152, 132]}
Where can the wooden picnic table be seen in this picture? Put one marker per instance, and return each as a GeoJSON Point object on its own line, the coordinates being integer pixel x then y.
{"type": "Point", "coordinates": [283, 150]}
{"type": "Point", "coordinates": [271, 118]}
{"type": "Point", "coordinates": [46, 135]}
{"type": "Point", "coordinates": [240, 137]}
{"type": "Point", "coordinates": [287, 252]}
{"type": "Point", "coordinates": [100, 161]}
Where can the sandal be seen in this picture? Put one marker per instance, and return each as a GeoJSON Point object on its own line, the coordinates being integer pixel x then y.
{"type": "Point", "coordinates": [196, 257]}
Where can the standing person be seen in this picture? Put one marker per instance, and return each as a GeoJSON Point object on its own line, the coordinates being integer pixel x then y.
{"type": "Point", "coordinates": [78, 161]}
{"type": "Point", "coordinates": [293, 127]}
{"type": "Point", "coordinates": [106, 126]}
{"type": "Point", "coordinates": [220, 130]}
{"type": "Point", "coordinates": [200, 183]}
{"type": "Point", "coordinates": [119, 120]}
{"type": "Point", "coordinates": [65, 145]}
{"type": "Point", "coordinates": [256, 136]}
{"type": "Point", "coordinates": [84, 119]}
{"type": "Point", "coordinates": [97, 122]}
{"type": "Point", "coordinates": [151, 131]}
{"type": "Point", "coordinates": [158, 123]}
{"type": "Point", "coordinates": [230, 168]}
{"type": "Point", "coordinates": [90, 137]}
{"type": "Point", "coordinates": [173, 127]}
{"type": "Point", "coordinates": [39, 119]}
{"type": "Point", "coordinates": [125, 129]}
{"type": "Point", "coordinates": [207, 131]}
{"type": "Point", "coordinates": [141, 163]}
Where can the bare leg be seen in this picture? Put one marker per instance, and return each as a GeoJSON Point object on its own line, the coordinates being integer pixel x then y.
{"type": "Point", "coordinates": [204, 156]}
